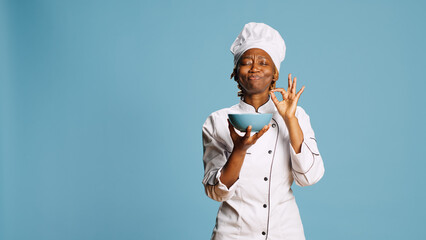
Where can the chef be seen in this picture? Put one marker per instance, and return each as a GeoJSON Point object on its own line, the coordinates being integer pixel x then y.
{"type": "Point", "coordinates": [251, 173]}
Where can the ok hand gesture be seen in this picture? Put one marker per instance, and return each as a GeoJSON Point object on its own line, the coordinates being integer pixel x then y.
{"type": "Point", "coordinates": [287, 107]}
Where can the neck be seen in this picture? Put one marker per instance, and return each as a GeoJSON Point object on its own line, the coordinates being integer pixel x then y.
{"type": "Point", "coordinates": [256, 100]}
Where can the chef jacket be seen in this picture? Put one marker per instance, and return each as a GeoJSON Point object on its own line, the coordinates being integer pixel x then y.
{"type": "Point", "coordinates": [260, 204]}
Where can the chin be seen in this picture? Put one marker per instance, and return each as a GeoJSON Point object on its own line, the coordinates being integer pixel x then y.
{"type": "Point", "coordinates": [254, 92]}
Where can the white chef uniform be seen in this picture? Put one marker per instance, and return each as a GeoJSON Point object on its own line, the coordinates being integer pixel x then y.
{"type": "Point", "coordinates": [260, 204]}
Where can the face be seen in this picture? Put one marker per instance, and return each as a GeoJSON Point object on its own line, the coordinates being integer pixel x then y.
{"type": "Point", "coordinates": [255, 71]}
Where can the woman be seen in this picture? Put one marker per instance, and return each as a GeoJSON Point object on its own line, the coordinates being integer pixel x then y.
{"type": "Point", "coordinates": [252, 173]}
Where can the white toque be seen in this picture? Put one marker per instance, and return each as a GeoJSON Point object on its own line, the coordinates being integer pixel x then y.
{"type": "Point", "coordinates": [259, 35]}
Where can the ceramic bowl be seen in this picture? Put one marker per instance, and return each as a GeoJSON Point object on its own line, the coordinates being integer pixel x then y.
{"type": "Point", "coordinates": [256, 120]}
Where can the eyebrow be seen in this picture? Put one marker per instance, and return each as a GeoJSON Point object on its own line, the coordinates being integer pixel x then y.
{"type": "Point", "coordinates": [250, 56]}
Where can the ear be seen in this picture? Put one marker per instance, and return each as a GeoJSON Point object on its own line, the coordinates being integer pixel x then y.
{"type": "Point", "coordinates": [276, 74]}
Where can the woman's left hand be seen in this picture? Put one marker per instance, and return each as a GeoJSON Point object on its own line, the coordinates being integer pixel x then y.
{"type": "Point", "coordinates": [287, 107]}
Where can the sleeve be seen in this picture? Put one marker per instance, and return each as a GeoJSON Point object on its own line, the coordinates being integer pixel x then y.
{"type": "Point", "coordinates": [215, 156]}
{"type": "Point", "coordinates": [307, 166]}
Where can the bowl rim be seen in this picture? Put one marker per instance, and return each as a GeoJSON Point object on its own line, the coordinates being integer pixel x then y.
{"type": "Point", "coordinates": [249, 114]}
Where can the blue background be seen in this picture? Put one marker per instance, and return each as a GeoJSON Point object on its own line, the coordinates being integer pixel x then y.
{"type": "Point", "coordinates": [102, 104]}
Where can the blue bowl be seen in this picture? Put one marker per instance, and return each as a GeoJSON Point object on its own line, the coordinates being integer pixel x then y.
{"type": "Point", "coordinates": [256, 120]}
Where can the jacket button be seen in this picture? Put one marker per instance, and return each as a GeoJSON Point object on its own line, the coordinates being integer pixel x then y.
{"type": "Point", "coordinates": [264, 205]}
{"type": "Point", "coordinates": [266, 179]}
{"type": "Point", "coordinates": [270, 151]}
{"type": "Point", "coordinates": [274, 125]}
{"type": "Point", "coordinates": [263, 233]}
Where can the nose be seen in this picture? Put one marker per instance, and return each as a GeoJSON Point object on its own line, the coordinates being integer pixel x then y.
{"type": "Point", "coordinates": [254, 67]}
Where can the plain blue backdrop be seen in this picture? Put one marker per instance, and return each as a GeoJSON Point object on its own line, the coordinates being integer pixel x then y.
{"type": "Point", "coordinates": [102, 104]}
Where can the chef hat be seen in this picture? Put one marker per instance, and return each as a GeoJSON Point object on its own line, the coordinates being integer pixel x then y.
{"type": "Point", "coordinates": [259, 35]}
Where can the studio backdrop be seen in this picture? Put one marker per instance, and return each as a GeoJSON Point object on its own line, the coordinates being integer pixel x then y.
{"type": "Point", "coordinates": [102, 104]}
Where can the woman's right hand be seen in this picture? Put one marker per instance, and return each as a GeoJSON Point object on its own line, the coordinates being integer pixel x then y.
{"type": "Point", "coordinates": [244, 142]}
{"type": "Point", "coordinates": [231, 169]}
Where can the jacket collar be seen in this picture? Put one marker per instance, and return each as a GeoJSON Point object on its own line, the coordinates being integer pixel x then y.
{"type": "Point", "coordinates": [268, 107]}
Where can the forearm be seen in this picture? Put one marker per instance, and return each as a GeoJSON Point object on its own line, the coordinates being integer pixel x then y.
{"type": "Point", "coordinates": [295, 132]}
{"type": "Point", "coordinates": [231, 170]}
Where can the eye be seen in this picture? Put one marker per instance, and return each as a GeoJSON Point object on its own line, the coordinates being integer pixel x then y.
{"type": "Point", "coordinates": [263, 63]}
{"type": "Point", "coordinates": [245, 62]}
